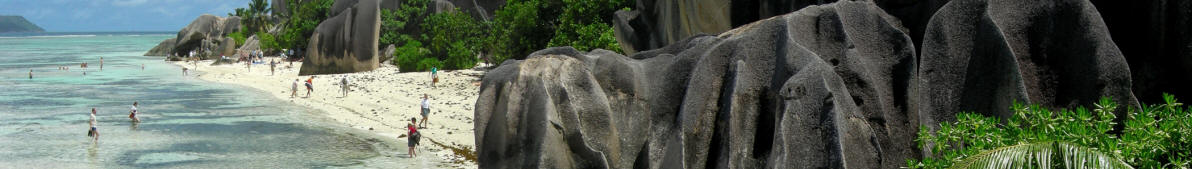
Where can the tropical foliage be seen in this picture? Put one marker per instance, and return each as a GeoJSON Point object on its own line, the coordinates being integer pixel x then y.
{"type": "Point", "coordinates": [1156, 136]}
{"type": "Point", "coordinates": [1042, 155]}
{"type": "Point", "coordinates": [304, 18]}
{"type": "Point", "coordinates": [525, 26]}
{"type": "Point", "coordinates": [256, 17]}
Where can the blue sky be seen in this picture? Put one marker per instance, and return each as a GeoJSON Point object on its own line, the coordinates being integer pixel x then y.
{"type": "Point", "coordinates": [116, 15]}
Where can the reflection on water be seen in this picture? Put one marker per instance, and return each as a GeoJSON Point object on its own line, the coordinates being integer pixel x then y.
{"type": "Point", "coordinates": [186, 123]}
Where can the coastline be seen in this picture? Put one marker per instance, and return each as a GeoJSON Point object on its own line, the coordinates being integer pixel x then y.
{"type": "Point", "coordinates": [380, 103]}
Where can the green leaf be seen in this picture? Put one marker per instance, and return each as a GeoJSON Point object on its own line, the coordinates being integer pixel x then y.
{"type": "Point", "coordinates": [1042, 155]}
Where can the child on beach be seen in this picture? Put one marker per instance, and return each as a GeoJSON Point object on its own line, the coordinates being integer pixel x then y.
{"type": "Point", "coordinates": [425, 109]}
{"type": "Point", "coordinates": [184, 71]}
{"type": "Point", "coordinates": [412, 140]}
{"type": "Point", "coordinates": [294, 89]}
{"type": "Point", "coordinates": [272, 65]}
{"type": "Point", "coordinates": [93, 132]}
{"type": "Point", "coordinates": [344, 85]}
{"type": "Point", "coordinates": [132, 114]}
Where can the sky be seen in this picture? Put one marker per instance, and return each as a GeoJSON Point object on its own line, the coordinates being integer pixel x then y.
{"type": "Point", "coordinates": [116, 15]}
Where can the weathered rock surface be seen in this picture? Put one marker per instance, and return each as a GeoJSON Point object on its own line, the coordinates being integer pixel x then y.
{"type": "Point", "coordinates": [1156, 38]}
{"type": "Point", "coordinates": [250, 45]}
{"type": "Point", "coordinates": [831, 86]}
{"type": "Point", "coordinates": [207, 35]}
{"type": "Point", "coordinates": [162, 49]}
{"type": "Point", "coordinates": [817, 88]}
{"type": "Point", "coordinates": [981, 56]}
{"type": "Point", "coordinates": [346, 42]}
{"type": "Point", "coordinates": [387, 53]}
{"type": "Point", "coordinates": [655, 23]}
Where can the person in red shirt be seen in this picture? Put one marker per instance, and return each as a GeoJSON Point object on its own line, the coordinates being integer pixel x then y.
{"type": "Point", "coordinates": [310, 86]}
{"type": "Point", "coordinates": [413, 136]}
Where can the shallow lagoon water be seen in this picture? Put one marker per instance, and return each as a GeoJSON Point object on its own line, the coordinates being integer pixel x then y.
{"type": "Point", "coordinates": [187, 123]}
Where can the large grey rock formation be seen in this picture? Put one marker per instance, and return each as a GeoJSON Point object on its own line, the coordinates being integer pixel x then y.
{"type": "Point", "coordinates": [822, 87]}
{"type": "Point", "coordinates": [207, 35]}
{"type": "Point", "coordinates": [162, 49]}
{"type": "Point", "coordinates": [657, 23]}
{"type": "Point", "coordinates": [1156, 38]}
{"type": "Point", "coordinates": [830, 86]}
{"type": "Point", "coordinates": [981, 56]}
{"type": "Point", "coordinates": [346, 42]}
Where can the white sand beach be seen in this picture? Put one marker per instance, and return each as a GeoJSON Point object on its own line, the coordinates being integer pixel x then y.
{"type": "Point", "coordinates": [381, 102]}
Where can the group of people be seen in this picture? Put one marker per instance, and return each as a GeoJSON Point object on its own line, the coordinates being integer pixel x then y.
{"type": "Point", "coordinates": [93, 132]}
{"type": "Point", "coordinates": [413, 126]}
{"type": "Point", "coordinates": [81, 65]}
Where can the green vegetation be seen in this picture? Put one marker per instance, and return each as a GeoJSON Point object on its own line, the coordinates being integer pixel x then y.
{"type": "Point", "coordinates": [1156, 136]}
{"type": "Point", "coordinates": [525, 26]}
{"type": "Point", "coordinates": [409, 55]}
{"type": "Point", "coordinates": [1042, 155]}
{"type": "Point", "coordinates": [239, 37]}
{"type": "Point", "coordinates": [17, 24]}
{"type": "Point", "coordinates": [268, 42]}
{"type": "Point", "coordinates": [304, 18]}
{"type": "Point", "coordinates": [453, 40]}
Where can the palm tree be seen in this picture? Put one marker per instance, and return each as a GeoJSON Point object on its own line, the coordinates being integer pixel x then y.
{"type": "Point", "coordinates": [1042, 155]}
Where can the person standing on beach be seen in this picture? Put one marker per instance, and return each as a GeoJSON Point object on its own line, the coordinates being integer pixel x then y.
{"type": "Point", "coordinates": [272, 66]}
{"type": "Point", "coordinates": [425, 109]}
{"type": "Point", "coordinates": [101, 63]}
{"type": "Point", "coordinates": [30, 73]}
{"type": "Point", "coordinates": [434, 76]}
{"type": "Point", "coordinates": [412, 139]}
{"type": "Point", "coordinates": [294, 89]}
{"type": "Point", "coordinates": [93, 132]}
{"type": "Point", "coordinates": [344, 85]}
{"type": "Point", "coordinates": [132, 114]}
{"type": "Point", "coordinates": [310, 86]}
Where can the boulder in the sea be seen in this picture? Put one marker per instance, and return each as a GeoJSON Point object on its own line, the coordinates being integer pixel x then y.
{"type": "Point", "coordinates": [165, 48]}
{"type": "Point", "coordinates": [205, 35]}
{"type": "Point", "coordinates": [346, 42]}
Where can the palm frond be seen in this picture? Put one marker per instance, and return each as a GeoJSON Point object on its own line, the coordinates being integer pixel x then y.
{"type": "Point", "coordinates": [1042, 155]}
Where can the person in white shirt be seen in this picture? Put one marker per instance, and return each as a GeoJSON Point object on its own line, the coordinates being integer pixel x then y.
{"type": "Point", "coordinates": [94, 132]}
{"type": "Point", "coordinates": [425, 109]}
{"type": "Point", "coordinates": [132, 114]}
{"type": "Point", "coordinates": [294, 89]}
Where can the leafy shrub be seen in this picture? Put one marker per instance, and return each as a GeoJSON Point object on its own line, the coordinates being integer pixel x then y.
{"type": "Point", "coordinates": [453, 37]}
{"type": "Point", "coordinates": [1155, 137]}
{"type": "Point", "coordinates": [268, 42]}
{"type": "Point", "coordinates": [304, 18]}
{"type": "Point", "coordinates": [428, 63]}
{"type": "Point", "coordinates": [408, 56]}
{"type": "Point", "coordinates": [459, 56]}
{"type": "Point", "coordinates": [239, 37]}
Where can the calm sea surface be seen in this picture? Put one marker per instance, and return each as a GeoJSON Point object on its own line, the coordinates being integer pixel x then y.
{"type": "Point", "coordinates": [187, 123]}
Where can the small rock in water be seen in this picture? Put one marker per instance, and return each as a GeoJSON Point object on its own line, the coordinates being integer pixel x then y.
{"type": "Point", "coordinates": [370, 129]}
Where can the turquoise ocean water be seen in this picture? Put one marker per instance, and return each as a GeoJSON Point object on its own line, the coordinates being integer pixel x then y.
{"type": "Point", "coordinates": [187, 123]}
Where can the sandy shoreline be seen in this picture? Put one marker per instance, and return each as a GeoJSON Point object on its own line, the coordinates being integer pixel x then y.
{"type": "Point", "coordinates": [381, 102]}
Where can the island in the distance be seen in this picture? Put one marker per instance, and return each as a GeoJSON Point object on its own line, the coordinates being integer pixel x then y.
{"type": "Point", "coordinates": [10, 24]}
